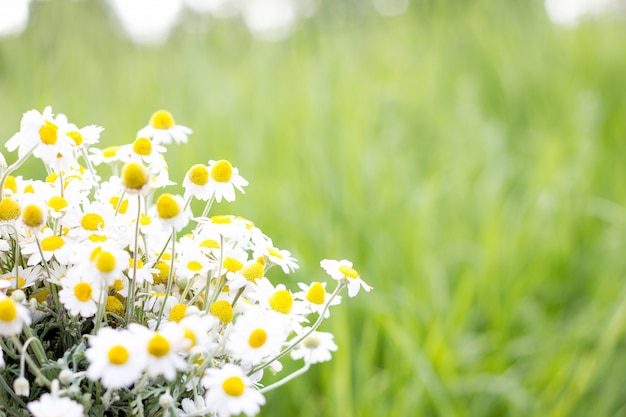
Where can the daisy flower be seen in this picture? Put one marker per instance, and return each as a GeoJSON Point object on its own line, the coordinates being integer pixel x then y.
{"type": "Point", "coordinates": [13, 316]}
{"type": "Point", "coordinates": [115, 358]}
{"type": "Point", "coordinates": [196, 183]}
{"type": "Point", "coordinates": [80, 294]}
{"type": "Point", "coordinates": [314, 297]}
{"type": "Point", "coordinates": [27, 277]}
{"type": "Point", "coordinates": [162, 348]}
{"type": "Point", "coordinates": [162, 129]}
{"type": "Point", "coordinates": [342, 271]}
{"type": "Point", "coordinates": [230, 392]}
{"type": "Point", "coordinates": [223, 179]}
{"type": "Point", "coordinates": [51, 246]}
{"type": "Point", "coordinates": [95, 221]}
{"type": "Point", "coordinates": [257, 336]}
{"type": "Point", "coordinates": [143, 150]}
{"type": "Point", "coordinates": [170, 211]}
{"type": "Point", "coordinates": [315, 348]}
{"type": "Point", "coordinates": [34, 214]}
{"type": "Point", "coordinates": [109, 155]}
{"type": "Point", "coordinates": [280, 257]}
{"type": "Point", "coordinates": [49, 405]}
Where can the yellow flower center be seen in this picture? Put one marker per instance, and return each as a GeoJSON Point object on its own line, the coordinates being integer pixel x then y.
{"type": "Point", "coordinates": [29, 189]}
{"type": "Point", "coordinates": [232, 264]}
{"type": "Point", "coordinates": [158, 346]}
{"type": "Point", "coordinates": [131, 263]}
{"type": "Point", "coordinates": [198, 175]}
{"type": "Point", "coordinates": [110, 151]}
{"type": "Point", "coordinates": [275, 253]}
{"type": "Point", "coordinates": [312, 342]}
{"type": "Point", "coordinates": [76, 137]}
{"type": "Point", "coordinates": [97, 238]}
{"type": "Point", "coordinates": [222, 310]}
{"type": "Point", "coordinates": [48, 133]}
{"type": "Point", "coordinates": [145, 220]}
{"type": "Point", "coordinates": [210, 244]}
{"type": "Point", "coordinates": [167, 206]}
{"type": "Point", "coordinates": [135, 175]}
{"type": "Point", "coordinates": [83, 291]}
{"type": "Point", "coordinates": [257, 338]}
{"type": "Point", "coordinates": [194, 266]}
{"type": "Point", "coordinates": [281, 301]}
{"type": "Point", "coordinates": [115, 201]}
{"type": "Point", "coordinates": [92, 222]}
{"type": "Point", "coordinates": [57, 203]}
{"type": "Point", "coordinates": [163, 274]}
{"type": "Point", "coordinates": [41, 296]}
{"type": "Point", "coordinates": [8, 312]}
{"type": "Point", "coordinates": [162, 119]}
{"type": "Point", "coordinates": [10, 183]}
{"type": "Point", "coordinates": [52, 178]}
{"type": "Point", "coordinates": [191, 336]}
{"type": "Point", "coordinates": [114, 305]}
{"type": "Point", "coordinates": [9, 209]}
{"type": "Point", "coordinates": [178, 312]}
{"type": "Point", "coordinates": [118, 355]}
{"type": "Point", "coordinates": [233, 386]}
{"type": "Point", "coordinates": [253, 271]}
{"type": "Point", "coordinates": [33, 216]}
{"type": "Point", "coordinates": [52, 243]}
{"type": "Point", "coordinates": [348, 272]}
{"type": "Point", "coordinates": [219, 219]}
{"type": "Point", "coordinates": [316, 293]}
{"type": "Point", "coordinates": [222, 171]}
{"type": "Point", "coordinates": [142, 146]}
{"type": "Point", "coordinates": [118, 285]}
{"type": "Point", "coordinates": [105, 262]}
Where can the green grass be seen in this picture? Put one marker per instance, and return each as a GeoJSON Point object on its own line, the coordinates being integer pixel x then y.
{"type": "Point", "coordinates": [468, 157]}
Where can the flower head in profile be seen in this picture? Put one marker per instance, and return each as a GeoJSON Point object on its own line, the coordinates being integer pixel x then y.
{"type": "Point", "coordinates": [315, 348]}
{"type": "Point", "coordinates": [162, 129]}
{"type": "Point", "coordinates": [13, 316]}
{"type": "Point", "coordinates": [49, 405]}
{"type": "Point", "coordinates": [230, 392]}
{"type": "Point", "coordinates": [342, 271]}
{"type": "Point", "coordinates": [223, 179]}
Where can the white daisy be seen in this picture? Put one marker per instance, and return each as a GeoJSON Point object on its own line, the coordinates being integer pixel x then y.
{"type": "Point", "coordinates": [143, 150]}
{"type": "Point", "coordinates": [315, 348]}
{"type": "Point", "coordinates": [230, 392]}
{"type": "Point", "coordinates": [52, 245]}
{"type": "Point", "coordinates": [13, 316]}
{"type": "Point", "coordinates": [49, 405]}
{"type": "Point", "coordinates": [27, 277]}
{"type": "Point", "coordinates": [162, 348]}
{"type": "Point", "coordinates": [342, 271]}
{"type": "Point", "coordinates": [257, 336]}
{"type": "Point", "coordinates": [80, 294]}
{"type": "Point", "coordinates": [162, 129]}
{"type": "Point", "coordinates": [115, 358]}
{"type": "Point", "coordinates": [223, 179]}
{"type": "Point", "coordinates": [196, 183]}
{"type": "Point", "coordinates": [314, 297]}
{"type": "Point", "coordinates": [171, 212]}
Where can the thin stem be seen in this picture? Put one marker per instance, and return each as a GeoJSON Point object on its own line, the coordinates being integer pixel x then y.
{"type": "Point", "coordinates": [38, 348]}
{"type": "Point", "coordinates": [130, 299]}
{"type": "Point", "coordinates": [15, 165]}
{"type": "Point", "coordinates": [306, 367]}
{"type": "Point", "coordinates": [7, 388]}
{"type": "Point", "coordinates": [53, 288]}
{"type": "Point", "coordinates": [31, 363]}
{"type": "Point", "coordinates": [101, 307]}
{"type": "Point", "coordinates": [297, 341]}
{"type": "Point", "coordinates": [121, 200]}
{"type": "Point", "coordinates": [170, 278]}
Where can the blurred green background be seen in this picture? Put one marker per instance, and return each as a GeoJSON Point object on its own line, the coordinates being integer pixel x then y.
{"type": "Point", "coordinates": [467, 156]}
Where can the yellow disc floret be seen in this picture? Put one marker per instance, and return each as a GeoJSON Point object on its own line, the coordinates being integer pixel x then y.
{"type": "Point", "coordinates": [222, 310]}
{"type": "Point", "coordinates": [10, 183]}
{"type": "Point", "coordinates": [57, 203]}
{"type": "Point", "coordinates": [178, 312]}
{"type": "Point", "coordinates": [158, 346]}
{"type": "Point", "coordinates": [33, 216]}
{"type": "Point", "coordinates": [163, 273]}
{"type": "Point", "coordinates": [92, 222]}
{"type": "Point", "coordinates": [52, 243]}
{"type": "Point", "coordinates": [83, 291]}
{"type": "Point", "coordinates": [9, 209]}
{"type": "Point", "coordinates": [233, 386]}
{"type": "Point", "coordinates": [253, 271]}
{"type": "Point", "coordinates": [316, 293]}
{"type": "Point", "coordinates": [232, 264]}
{"type": "Point", "coordinates": [281, 301]}
{"type": "Point", "coordinates": [348, 272]}
{"type": "Point", "coordinates": [76, 137]}
{"type": "Point", "coordinates": [135, 176]}
{"type": "Point", "coordinates": [105, 262]}
{"type": "Point", "coordinates": [118, 355]}
{"type": "Point", "coordinates": [222, 171]}
{"type": "Point", "coordinates": [162, 119]}
{"type": "Point", "coordinates": [257, 338]}
{"type": "Point", "coordinates": [48, 133]}
{"type": "Point", "coordinates": [142, 146]}
{"type": "Point", "coordinates": [114, 305]}
{"type": "Point", "coordinates": [110, 151]}
{"type": "Point", "coordinates": [8, 312]}
{"type": "Point", "coordinates": [167, 206]}
{"type": "Point", "coordinates": [198, 174]}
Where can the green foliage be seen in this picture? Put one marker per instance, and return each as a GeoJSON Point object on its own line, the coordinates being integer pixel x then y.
{"type": "Point", "coordinates": [466, 156]}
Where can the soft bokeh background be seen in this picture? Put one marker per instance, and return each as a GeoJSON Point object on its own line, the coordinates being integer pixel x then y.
{"type": "Point", "coordinates": [467, 156]}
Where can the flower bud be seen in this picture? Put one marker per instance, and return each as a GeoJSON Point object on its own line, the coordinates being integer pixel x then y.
{"type": "Point", "coordinates": [21, 386]}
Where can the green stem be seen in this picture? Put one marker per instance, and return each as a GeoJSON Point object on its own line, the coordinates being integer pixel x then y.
{"type": "Point", "coordinates": [12, 168]}
{"type": "Point", "coordinates": [130, 298]}
{"type": "Point", "coordinates": [170, 278]}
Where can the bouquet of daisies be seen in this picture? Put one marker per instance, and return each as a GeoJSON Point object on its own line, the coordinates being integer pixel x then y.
{"type": "Point", "coordinates": [116, 299]}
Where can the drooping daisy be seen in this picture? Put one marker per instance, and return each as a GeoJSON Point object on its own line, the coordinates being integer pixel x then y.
{"type": "Point", "coordinates": [257, 336]}
{"type": "Point", "coordinates": [196, 183]}
{"type": "Point", "coordinates": [34, 214]}
{"type": "Point", "coordinates": [342, 271]}
{"type": "Point", "coordinates": [314, 297]}
{"type": "Point", "coordinates": [162, 348]}
{"type": "Point", "coordinates": [230, 392]}
{"type": "Point", "coordinates": [136, 178]}
{"type": "Point", "coordinates": [49, 405]}
{"type": "Point", "coordinates": [80, 294]}
{"type": "Point", "coordinates": [315, 348]}
{"type": "Point", "coordinates": [13, 316]}
{"type": "Point", "coordinates": [171, 212]}
{"type": "Point", "coordinates": [280, 257]}
{"type": "Point", "coordinates": [115, 358]}
{"type": "Point", "coordinates": [223, 179]}
{"type": "Point", "coordinates": [143, 150]}
{"type": "Point", "coordinates": [162, 129]}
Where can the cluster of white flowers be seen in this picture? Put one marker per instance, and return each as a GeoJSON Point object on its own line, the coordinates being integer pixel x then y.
{"type": "Point", "coordinates": [115, 283]}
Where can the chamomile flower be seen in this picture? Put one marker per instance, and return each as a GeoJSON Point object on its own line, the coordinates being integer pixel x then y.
{"type": "Point", "coordinates": [80, 294]}
{"type": "Point", "coordinates": [95, 221]}
{"type": "Point", "coordinates": [27, 277]}
{"type": "Point", "coordinates": [105, 262]}
{"type": "Point", "coordinates": [196, 183]}
{"type": "Point", "coordinates": [280, 257]}
{"type": "Point", "coordinates": [162, 348]}
{"type": "Point", "coordinates": [13, 316]}
{"type": "Point", "coordinates": [34, 214]}
{"type": "Point", "coordinates": [162, 129]}
{"type": "Point", "coordinates": [314, 297]}
{"type": "Point", "coordinates": [109, 155]}
{"type": "Point", "coordinates": [136, 178]}
{"type": "Point", "coordinates": [342, 271]}
{"type": "Point", "coordinates": [171, 212]}
{"type": "Point", "coordinates": [315, 348]}
{"type": "Point", "coordinates": [192, 262]}
{"type": "Point", "coordinates": [230, 392]}
{"type": "Point", "coordinates": [49, 405]}
{"type": "Point", "coordinates": [223, 179]}
{"type": "Point", "coordinates": [115, 358]}
{"type": "Point", "coordinates": [143, 150]}
{"type": "Point", "coordinates": [257, 336]}
{"type": "Point", "coordinates": [51, 245]}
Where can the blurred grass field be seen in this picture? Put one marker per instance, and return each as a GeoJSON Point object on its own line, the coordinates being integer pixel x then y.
{"type": "Point", "coordinates": [467, 156]}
